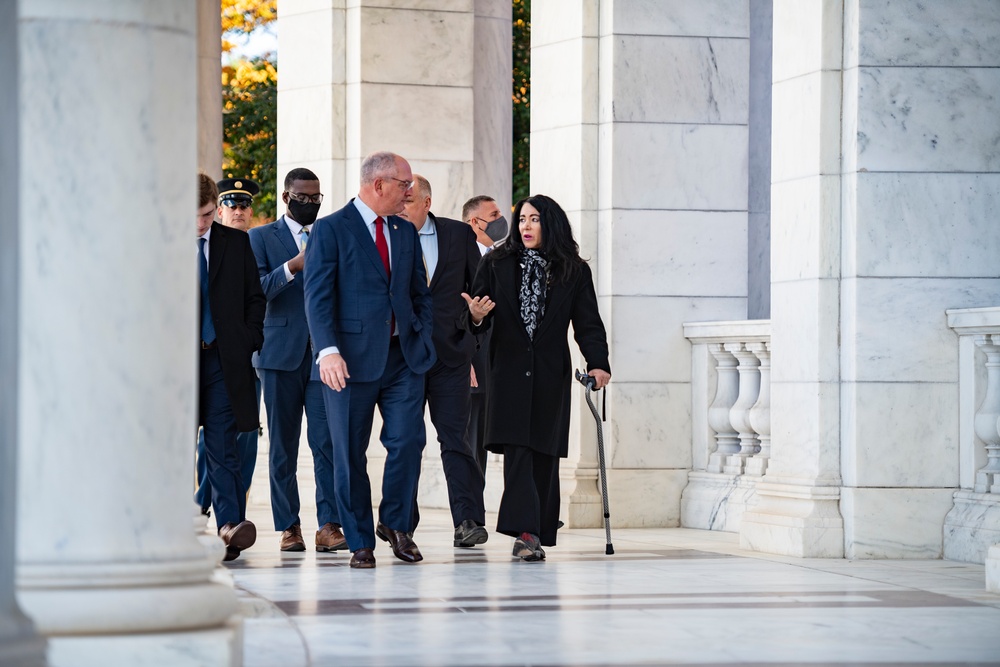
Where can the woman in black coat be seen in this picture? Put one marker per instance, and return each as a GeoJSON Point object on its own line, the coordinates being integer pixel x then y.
{"type": "Point", "coordinates": [529, 290]}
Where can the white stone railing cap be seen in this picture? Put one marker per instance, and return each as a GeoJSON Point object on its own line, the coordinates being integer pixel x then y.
{"type": "Point", "coordinates": [744, 331]}
{"type": "Point", "coordinates": [969, 321]}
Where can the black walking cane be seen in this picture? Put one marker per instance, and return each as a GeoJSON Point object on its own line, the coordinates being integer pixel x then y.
{"type": "Point", "coordinates": [589, 381]}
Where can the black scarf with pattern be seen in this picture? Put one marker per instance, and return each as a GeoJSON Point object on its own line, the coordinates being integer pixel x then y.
{"type": "Point", "coordinates": [533, 289]}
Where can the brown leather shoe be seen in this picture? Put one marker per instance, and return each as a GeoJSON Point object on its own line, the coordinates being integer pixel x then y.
{"type": "Point", "coordinates": [403, 546]}
{"type": "Point", "coordinates": [363, 559]}
{"type": "Point", "coordinates": [238, 536]}
{"type": "Point", "coordinates": [291, 539]}
{"type": "Point", "coordinates": [330, 538]}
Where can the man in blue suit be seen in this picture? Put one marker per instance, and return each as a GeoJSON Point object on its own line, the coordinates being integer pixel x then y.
{"type": "Point", "coordinates": [289, 377]}
{"type": "Point", "coordinates": [369, 312]}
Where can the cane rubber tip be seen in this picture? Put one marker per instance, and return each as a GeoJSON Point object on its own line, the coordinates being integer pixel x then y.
{"type": "Point", "coordinates": [609, 550]}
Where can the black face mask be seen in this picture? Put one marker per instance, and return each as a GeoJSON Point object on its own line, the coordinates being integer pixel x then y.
{"type": "Point", "coordinates": [304, 214]}
{"type": "Point", "coordinates": [497, 229]}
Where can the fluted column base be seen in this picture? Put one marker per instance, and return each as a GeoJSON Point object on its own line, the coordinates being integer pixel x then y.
{"type": "Point", "coordinates": [795, 520]}
{"type": "Point", "coordinates": [581, 503]}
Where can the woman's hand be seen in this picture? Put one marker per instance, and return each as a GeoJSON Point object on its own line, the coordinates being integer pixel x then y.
{"type": "Point", "coordinates": [479, 307]}
{"type": "Point", "coordinates": [602, 377]}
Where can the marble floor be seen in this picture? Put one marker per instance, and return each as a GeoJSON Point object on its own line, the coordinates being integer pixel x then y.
{"type": "Point", "coordinates": [666, 597]}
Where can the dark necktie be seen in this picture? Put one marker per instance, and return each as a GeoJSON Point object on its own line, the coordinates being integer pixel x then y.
{"type": "Point", "coordinates": [207, 327]}
{"type": "Point", "coordinates": [383, 251]}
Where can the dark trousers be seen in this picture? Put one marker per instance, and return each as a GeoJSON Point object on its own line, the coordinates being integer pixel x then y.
{"type": "Point", "coordinates": [287, 394]}
{"type": "Point", "coordinates": [246, 445]}
{"type": "Point", "coordinates": [477, 428]}
{"type": "Point", "coordinates": [221, 453]}
{"type": "Point", "coordinates": [530, 501]}
{"type": "Point", "coordinates": [399, 395]}
{"type": "Point", "coordinates": [448, 392]}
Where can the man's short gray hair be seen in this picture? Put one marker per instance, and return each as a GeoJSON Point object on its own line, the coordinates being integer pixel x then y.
{"type": "Point", "coordinates": [421, 185]}
{"type": "Point", "coordinates": [378, 165]}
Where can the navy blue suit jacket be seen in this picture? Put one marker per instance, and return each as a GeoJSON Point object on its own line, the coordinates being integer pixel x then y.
{"type": "Point", "coordinates": [286, 331]}
{"type": "Point", "coordinates": [350, 301]}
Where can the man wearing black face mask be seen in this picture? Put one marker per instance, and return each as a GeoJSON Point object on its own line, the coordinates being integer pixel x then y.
{"type": "Point", "coordinates": [290, 380]}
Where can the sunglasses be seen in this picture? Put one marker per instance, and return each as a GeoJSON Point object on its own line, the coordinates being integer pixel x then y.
{"type": "Point", "coordinates": [241, 205]}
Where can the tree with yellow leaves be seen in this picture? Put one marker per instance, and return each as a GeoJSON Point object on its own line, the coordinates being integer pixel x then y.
{"type": "Point", "coordinates": [250, 104]}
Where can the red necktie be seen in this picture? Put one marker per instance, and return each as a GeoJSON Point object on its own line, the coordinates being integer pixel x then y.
{"type": "Point", "coordinates": [382, 246]}
{"type": "Point", "coordinates": [383, 251]}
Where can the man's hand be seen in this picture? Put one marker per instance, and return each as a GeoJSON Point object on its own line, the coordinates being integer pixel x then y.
{"type": "Point", "coordinates": [296, 264]}
{"type": "Point", "coordinates": [479, 227]}
{"type": "Point", "coordinates": [333, 371]}
{"type": "Point", "coordinates": [478, 307]}
{"type": "Point", "coordinates": [472, 377]}
{"type": "Point", "coordinates": [602, 377]}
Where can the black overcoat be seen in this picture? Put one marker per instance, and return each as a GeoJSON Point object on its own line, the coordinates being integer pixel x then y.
{"type": "Point", "coordinates": [528, 401]}
{"type": "Point", "coordinates": [238, 306]}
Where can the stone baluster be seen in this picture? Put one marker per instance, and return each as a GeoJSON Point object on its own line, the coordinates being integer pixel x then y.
{"type": "Point", "coordinates": [987, 416]}
{"type": "Point", "coordinates": [739, 414]}
{"type": "Point", "coordinates": [727, 440]}
{"type": "Point", "coordinates": [760, 413]}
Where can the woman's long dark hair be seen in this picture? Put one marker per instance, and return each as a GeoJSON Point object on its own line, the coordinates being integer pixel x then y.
{"type": "Point", "coordinates": [558, 244]}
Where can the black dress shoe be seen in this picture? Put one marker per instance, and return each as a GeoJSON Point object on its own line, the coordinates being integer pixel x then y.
{"type": "Point", "coordinates": [469, 534]}
{"type": "Point", "coordinates": [363, 559]}
{"type": "Point", "coordinates": [403, 546]}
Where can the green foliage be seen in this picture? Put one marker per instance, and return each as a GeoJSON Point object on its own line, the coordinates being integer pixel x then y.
{"type": "Point", "coordinates": [521, 94]}
{"type": "Point", "coordinates": [249, 128]}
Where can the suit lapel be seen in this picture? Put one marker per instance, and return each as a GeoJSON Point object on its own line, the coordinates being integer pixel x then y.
{"type": "Point", "coordinates": [285, 237]}
{"type": "Point", "coordinates": [506, 273]}
{"type": "Point", "coordinates": [216, 249]}
{"type": "Point", "coordinates": [558, 299]}
{"type": "Point", "coordinates": [356, 224]}
{"type": "Point", "coordinates": [395, 241]}
{"type": "Point", "coordinates": [443, 233]}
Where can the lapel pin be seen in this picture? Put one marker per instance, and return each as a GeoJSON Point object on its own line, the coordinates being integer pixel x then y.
{"type": "Point", "coordinates": [395, 227]}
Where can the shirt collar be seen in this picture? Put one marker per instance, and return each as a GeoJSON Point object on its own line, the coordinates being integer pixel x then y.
{"type": "Point", "coordinates": [429, 228]}
{"type": "Point", "coordinates": [207, 233]}
{"type": "Point", "coordinates": [367, 214]}
{"type": "Point", "coordinates": [295, 227]}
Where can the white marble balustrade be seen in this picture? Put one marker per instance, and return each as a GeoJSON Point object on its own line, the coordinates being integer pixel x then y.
{"type": "Point", "coordinates": [731, 420]}
{"type": "Point", "coordinates": [972, 527]}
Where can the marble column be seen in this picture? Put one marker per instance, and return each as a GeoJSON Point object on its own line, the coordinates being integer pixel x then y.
{"type": "Point", "coordinates": [210, 88]}
{"type": "Point", "coordinates": [311, 95]}
{"type": "Point", "coordinates": [108, 565]}
{"type": "Point", "coordinates": [361, 76]}
{"type": "Point", "coordinates": [867, 253]}
{"type": "Point", "coordinates": [19, 645]}
{"type": "Point", "coordinates": [639, 119]}
{"type": "Point", "coordinates": [491, 95]}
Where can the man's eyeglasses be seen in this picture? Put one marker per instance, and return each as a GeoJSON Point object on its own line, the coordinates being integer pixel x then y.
{"type": "Point", "coordinates": [305, 199]}
{"type": "Point", "coordinates": [241, 205]}
{"type": "Point", "coordinates": [406, 184]}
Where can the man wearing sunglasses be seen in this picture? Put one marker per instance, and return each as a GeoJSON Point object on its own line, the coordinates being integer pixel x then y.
{"type": "Point", "coordinates": [235, 210]}
{"type": "Point", "coordinates": [236, 202]}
